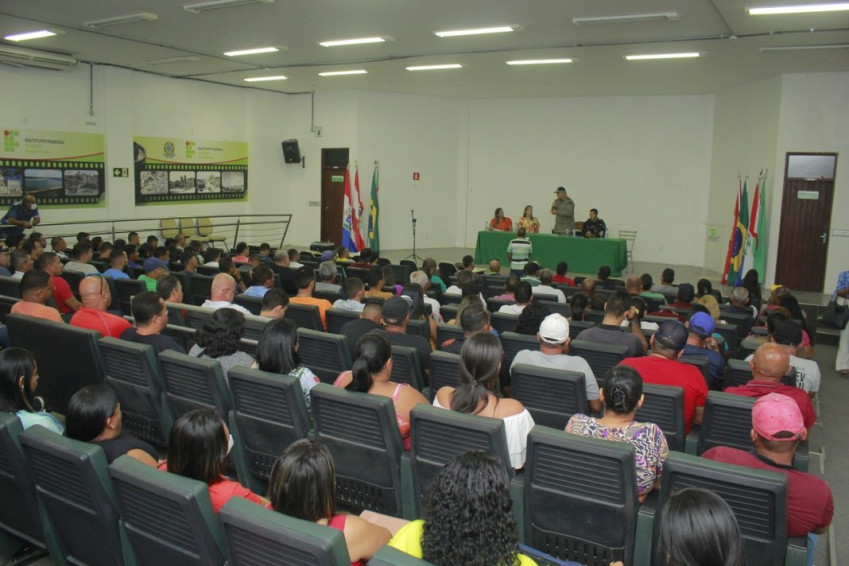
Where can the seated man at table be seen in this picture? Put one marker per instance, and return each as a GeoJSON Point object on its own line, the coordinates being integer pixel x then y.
{"type": "Point", "coordinates": [594, 227]}
{"type": "Point", "coordinates": [616, 309]}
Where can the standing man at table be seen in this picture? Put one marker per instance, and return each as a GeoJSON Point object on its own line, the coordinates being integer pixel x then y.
{"type": "Point", "coordinates": [563, 208]}
{"type": "Point", "coordinates": [20, 217]}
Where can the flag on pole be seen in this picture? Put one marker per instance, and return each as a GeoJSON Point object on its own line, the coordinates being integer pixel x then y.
{"type": "Point", "coordinates": [730, 253]}
{"type": "Point", "coordinates": [753, 242]}
{"type": "Point", "coordinates": [357, 203]}
{"type": "Point", "coordinates": [348, 238]}
{"type": "Point", "coordinates": [374, 210]}
{"type": "Point", "coordinates": [741, 235]}
{"type": "Point", "coordinates": [759, 262]}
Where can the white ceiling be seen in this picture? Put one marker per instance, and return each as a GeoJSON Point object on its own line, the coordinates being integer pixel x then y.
{"type": "Point", "coordinates": [728, 38]}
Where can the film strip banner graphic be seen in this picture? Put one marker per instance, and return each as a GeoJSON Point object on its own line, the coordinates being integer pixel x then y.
{"type": "Point", "coordinates": [187, 171]}
{"type": "Point", "coordinates": [59, 168]}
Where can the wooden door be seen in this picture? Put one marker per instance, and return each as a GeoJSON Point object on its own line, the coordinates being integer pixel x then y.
{"type": "Point", "coordinates": [805, 230]}
{"type": "Point", "coordinates": [333, 164]}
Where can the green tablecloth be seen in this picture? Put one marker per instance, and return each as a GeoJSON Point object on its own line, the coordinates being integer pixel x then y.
{"type": "Point", "coordinates": [584, 255]}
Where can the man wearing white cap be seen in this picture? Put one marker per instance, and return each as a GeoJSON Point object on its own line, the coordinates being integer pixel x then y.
{"type": "Point", "coordinates": [553, 337]}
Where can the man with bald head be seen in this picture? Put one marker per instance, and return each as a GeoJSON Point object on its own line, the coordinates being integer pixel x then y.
{"type": "Point", "coordinates": [96, 298]}
{"type": "Point", "coordinates": [769, 364]}
{"type": "Point", "coordinates": [222, 293]}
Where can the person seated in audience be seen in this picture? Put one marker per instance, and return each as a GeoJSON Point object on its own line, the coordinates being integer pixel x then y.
{"type": "Point", "coordinates": [328, 274]}
{"type": "Point", "coordinates": [531, 318]}
{"type": "Point", "coordinates": [94, 415]}
{"type": "Point", "coordinates": [638, 306]}
{"type": "Point", "coordinates": [96, 298]}
{"type": "Point", "coordinates": [421, 279]}
{"type": "Point", "coordinates": [5, 262]}
{"type": "Point", "coordinates": [369, 320]}
{"type": "Point", "coordinates": [33, 248]}
{"type": "Point", "coordinates": [376, 282]}
{"type": "Point", "coordinates": [212, 257]}
{"type": "Point", "coordinates": [686, 294]}
{"type": "Point", "coordinates": [36, 290]}
{"type": "Point", "coordinates": [597, 302]}
{"type": "Point", "coordinates": [661, 367]}
{"type": "Point", "coordinates": [494, 267]}
{"type": "Point", "coordinates": [395, 316]}
{"type": "Point", "coordinates": [64, 298]}
{"type": "Point", "coordinates": [788, 335]}
{"type": "Point", "coordinates": [96, 242]}
{"type": "Point", "coordinates": [429, 266]}
{"type": "Point", "coordinates": [701, 343]}
{"type": "Point", "coordinates": [83, 237]}
{"type": "Point", "coordinates": [241, 255]}
{"type": "Point", "coordinates": [477, 394]}
{"type": "Point", "coordinates": [189, 261]}
{"type": "Point", "coordinates": [18, 385]}
{"type": "Point", "coordinates": [704, 288]}
{"type": "Point", "coordinates": [15, 241]}
{"type": "Point", "coordinates": [740, 305]}
{"type": "Point", "coordinates": [365, 260]}
{"type": "Point", "coordinates": [294, 258]}
{"type": "Point", "coordinates": [791, 305]}
{"type": "Point", "coordinates": [83, 253]}
{"type": "Point", "coordinates": [473, 317]}
{"type": "Point", "coordinates": [594, 227]}
{"type": "Point", "coordinates": [353, 290]}
{"type": "Point", "coordinates": [389, 280]}
{"type": "Point", "coordinates": [545, 291]}
{"type": "Point", "coordinates": [219, 338]}
{"type": "Point", "coordinates": [170, 289]}
{"type": "Point", "coordinates": [21, 262]}
{"type": "Point", "coordinates": [226, 265]}
{"type": "Point", "coordinates": [667, 276]}
{"type": "Point", "coordinates": [777, 430]}
{"type": "Point", "coordinates": [468, 263]}
{"type": "Point", "coordinates": [603, 280]}
{"type": "Point", "coordinates": [622, 395]}
{"type": "Point", "coordinates": [531, 274]}
{"type": "Point", "coordinates": [553, 338]}
{"type": "Point", "coordinates": [751, 283]}
{"type": "Point", "coordinates": [415, 295]}
{"type": "Point", "coordinates": [133, 259]}
{"type": "Point", "coordinates": [151, 319]}
{"type": "Point", "coordinates": [265, 254]}
{"type": "Point", "coordinates": [303, 485]}
{"type": "Point", "coordinates": [222, 293]}
{"type": "Point", "coordinates": [633, 285]}
{"type": "Point", "coordinates": [616, 309]}
{"type": "Point", "coordinates": [59, 247]}
{"type": "Point", "coordinates": [306, 284]}
{"type": "Point", "coordinates": [117, 263]}
{"type": "Point", "coordinates": [326, 255]}
{"type": "Point", "coordinates": [463, 277]}
{"type": "Point", "coordinates": [523, 296]}
{"type": "Point", "coordinates": [510, 283]}
{"type": "Point", "coordinates": [105, 251]}
{"type": "Point", "coordinates": [288, 275]}
{"type": "Point", "coordinates": [343, 256]}
{"type": "Point", "coordinates": [588, 287]}
{"type": "Point", "coordinates": [133, 239]}
{"type": "Point", "coordinates": [500, 223]}
{"type": "Point", "coordinates": [466, 516]}
{"type": "Point", "coordinates": [263, 281]}
{"type": "Point", "coordinates": [198, 448]}
{"type": "Point", "coordinates": [154, 269]}
{"type": "Point", "coordinates": [653, 299]}
{"type": "Point", "coordinates": [277, 352]}
{"type": "Point", "coordinates": [274, 303]}
{"type": "Point", "coordinates": [561, 276]}
{"type": "Point", "coordinates": [372, 372]}
{"type": "Point", "coordinates": [578, 304]}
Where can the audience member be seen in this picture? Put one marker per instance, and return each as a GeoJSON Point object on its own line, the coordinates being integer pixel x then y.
{"type": "Point", "coordinates": [277, 352]}
{"type": "Point", "coordinates": [701, 343]}
{"type": "Point", "coordinates": [429, 266]}
{"type": "Point", "coordinates": [463, 278]}
{"type": "Point", "coordinates": [510, 283]}
{"type": "Point", "coordinates": [588, 287]}
{"type": "Point", "coordinates": [5, 262]}
{"type": "Point", "coordinates": [788, 335]}
{"type": "Point", "coordinates": [686, 294]}
{"type": "Point", "coordinates": [222, 293]}
{"type": "Point", "coordinates": [791, 304]}
{"type": "Point", "coordinates": [154, 269]}
{"type": "Point", "coordinates": [189, 261]}
{"type": "Point", "coordinates": [375, 281]}
{"type": "Point", "coordinates": [653, 298]}
{"type": "Point", "coordinates": [59, 247]}
{"type": "Point", "coordinates": [294, 258]}
{"type": "Point", "coordinates": [219, 338]}
{"type": "Point", "coordinates": [83, 252]}
{"type": "Point", "coordinates": [18, 385]}
{"type": "Point", "coordinates": [603, 278]}
{"type": "Point", "coordinates": [740, 305]}
{"type": "Point", "coordinates": [665, 285]}
{"type": "Point", "coordinates": [170, 289]}
{"type": "Point", "coordinates": [532, 274]}
{"type": "Point", "coordinates": [560, 275]}
{"type": "Point", "coordinates": [545, 291]}
{"type": "Point", "coordinates": [263, 281]}
{"type": "Point", "coordinates": [389, 280]}
{"type": "Point", "coordinates": [241, 254]}
{"type": "Point", "coordinates": [369, 320]}
{"type": "Point", "coordinates": [530, 319]}
{"type": "Point", "coordinates": [328, 274]}
{"type": "Point", "coordinates": [421, 279]}
{"type": "Point", "coordinates": [64, 298]}
{"type": "Point", "coordinates": [36, 290]}
{"type": "Point", "coordinates": [306, 284]}
{"type": "Point", "coordinates": [274, 303]}
{"type": "Point", "coordinates": [22, 263]}
{"type": "Point", "coordinates": [616, 309]}
{"type": "Point", "coordinates": [578, 307]}
{"type": "Point", "coordinates": [353, 290]}
{"type": "Point", "coordinates": [523, 296]}
{"type": "Point", "coordinates": [494, 267]}
{"type": "Point", "coordinates": [117, 263]}
{"type": "Point", "coordinates": [288, 275]}
{"type": "Point", "coordinates": [96, 298]}
{"type": "Point", "coordinates": [396, 316]}
{"type": "Point", "coordinates": [151, 318]}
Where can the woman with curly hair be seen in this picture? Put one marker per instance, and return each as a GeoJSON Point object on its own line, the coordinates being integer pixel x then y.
{"type": "Point", "coordinates": [303, 485]}
{"type": "Point", "coordinates": [218, 338]}
{"type": "Point", "coordinates": [466, 516]}
{"type": "Point", "coordinates": [480, 364]}
{"type": "Point", "coordinates": [18, 384]}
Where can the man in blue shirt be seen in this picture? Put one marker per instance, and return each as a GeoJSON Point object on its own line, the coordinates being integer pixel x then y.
{"type": "Point", "coordinates": [20, 216]}
{"type": "Point", "coordinates": [700, 342]}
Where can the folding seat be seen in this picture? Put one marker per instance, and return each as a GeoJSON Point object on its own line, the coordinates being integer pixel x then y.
{"type": "Point", "coordinates": [337, 318]}
{"type": "Point", "coordinates": [446, 270]}
{"type": "Point", "coordinates": [701, 363]}
{"type": "Point", "coordinates": [388, 556]}
{"type": "Point", "coordinates": [6, 304]}
{"type": "Point", "coordinates": [194, 383]}
{"type": "Point", "coordinates": [361, 433]}
{"type": "Point", "coordinates": [402, 272]}
{"type": "Point", "coordinates": [419, 327]}
{"type": "Point", "coordinates": [448, 311]}
{"type": "Point", "coordinates": [494, 303]}
{"type": "Point", "coordinates": [737, 372]}
{"type": "Point", "coordinates": [254, 325]}
{"type": "Point", "coordinates": [253, 304]}
{"type": "Point", "coordinates": [200, 286]}
{"type": "Point", "coordinates": [410, 264]}
{"type": "Point", "coordinates": [551, 396]}
{"type": "Point", "coordinates": [747, 346]}
{"type": "Point", "coordinates": [327, 355]}
{"type": "Point", "coordinates": [446, 332]}
{"type": "Point", "coordinates": [168, 518]}
{"type": "Point", "coordinates": [73, 485]}
{"type": "Point", "coordinates": [99, 264]}
{"type": "Point", "coordinates": [304, 316]}
{"type": "Point", "coordinates": [10, 286]}
{"type": "Point", "coordinates": [594, 316]}
{"type": "Point", "coordinates": [555, 307]}
{"type": "Point", "coordinates": [729, 334]}
{"type": "Point", "coordinates": [257, 536]}
{"type": "Point", "coordinates": [578, 326]}
{"type": "Point", "coordinates": [737, 319]}
{"type": "Point", "coordinates": [406, 367]}
{"type": "Point", "coordinates": [195, 316]}
{"type": "Point", "coordinates": [268, 414]}
{"type": "Point", "coordinates": [357, 272]}
{"type": "Point", "coordinates": [133, 371]}
{"type": "Point", "coordinates": [127, 289]}
{"type": "Point", "coordinates": [73, 278]}
{"type": "Point", "coordinates": [134, 272]}
{"type": "Point", "coordinates": [63, 372]}
{"type": "Point", "coordinates": [495, 281]}
{"type": "Point", "coordinates": [664, 406]}
{"type": "Point", "coordinates": [568, 290]}
{"type": "Point", "coordinates": [444, 371]}
{"type": "Point", "coordinates": [183, 278]}
{"type": "Point", "coordinates": [504, 322]}
{"type": "Point", "coordinates": [208, 271]}
{"type": "Point", "coordinates": [580, 497]}
{"type": "Point", "coordinates": [329, 296]}
{"type": "Point", "coordinates": [513, 343]}
{"type": "Point", "coordinates": [601, 357]}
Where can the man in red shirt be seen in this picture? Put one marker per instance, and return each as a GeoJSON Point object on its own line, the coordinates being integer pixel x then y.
{"type": "Point", "coordinates": [66, 302]}
{"type": "Point", "coordinates": [661, 367]}
{"type": "Point", "coordinates": [560, 275]}
{"type": "Point", "coordinates": [94, 291]}
{"type": "Point", "coordinates": [769, 363]}
{"type": "Point", "coordinates": [777, 429]}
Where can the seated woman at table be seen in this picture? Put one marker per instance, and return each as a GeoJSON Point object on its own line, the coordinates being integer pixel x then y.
{"type": "Point", "coordinates": [528, 221]}
{"type": "Point", "coordinates": [501, 223]}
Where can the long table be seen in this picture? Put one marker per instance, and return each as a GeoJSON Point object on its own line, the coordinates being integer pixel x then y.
{"type": "Point", "coordinates": [584, 255]}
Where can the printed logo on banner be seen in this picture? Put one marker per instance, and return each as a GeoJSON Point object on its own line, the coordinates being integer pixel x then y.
{"type": "Point", "coordinates": [168, 150]}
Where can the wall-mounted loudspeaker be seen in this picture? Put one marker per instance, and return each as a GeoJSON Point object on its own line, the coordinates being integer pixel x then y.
{"type": "Point", "coordinates": [292, 152]}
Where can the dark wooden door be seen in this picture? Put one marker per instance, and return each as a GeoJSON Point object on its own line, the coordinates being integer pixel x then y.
{"type": "Point", "coordinates": [332, 204]}
{"type": "Point", "coordinates": [804, 234]}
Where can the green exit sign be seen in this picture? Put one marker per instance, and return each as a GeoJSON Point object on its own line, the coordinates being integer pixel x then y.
{"type": "Point", "coordinates": [337, 178]}
{"type": "Point", "coordinates": [120, 172]}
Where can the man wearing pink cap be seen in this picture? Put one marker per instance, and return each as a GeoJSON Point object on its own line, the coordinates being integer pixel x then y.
{"type": "Point", "coordinates": [777, 429]}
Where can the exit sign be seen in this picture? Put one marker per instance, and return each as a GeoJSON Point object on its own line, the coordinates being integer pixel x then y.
{"type": "Point", "coordinates": [120, 172]}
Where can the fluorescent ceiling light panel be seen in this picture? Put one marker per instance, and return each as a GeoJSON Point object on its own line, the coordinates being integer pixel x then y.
{"type": "Point", "coordinates": [218, 4]}
{"type": "Point", "coordinates": [128, 19]}
{"type": "Point", "coordinates": [341, 73]}
{"type": "Point", "coordinates": [478, 31]}
{"type": "Point", "coordinates": [185, 58]}
{"type": "Point", "coordinates": [435, 67]}
{"type": "Point", "coordinates": [662, 56]}
{"type": "Point", "coordinates": [260, 79]}
{"type": "Point", "coordinates": [256, 51]}
{"type": "Point", "coordinates": [805, 47]}
{"type": "Point", "coordinates": [540, 61]}
{"type": "Point", "coordinates": [798, 9]}
{"type": "Point", "coordinates": [30, 35]}
{"type": "Point", "coordinates": [627, 19]}
{"type": "Point", "coordinates": [357, 41]}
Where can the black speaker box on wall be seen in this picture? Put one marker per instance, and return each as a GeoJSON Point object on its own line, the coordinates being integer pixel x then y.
{"type": "Point", "coordinates": [291, 151]}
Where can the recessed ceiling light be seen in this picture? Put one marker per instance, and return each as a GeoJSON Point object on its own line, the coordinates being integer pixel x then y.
{"type": "Point", "coordinates": [186, 59]}
{"type": "Point", "coordinates": [478, 31]}
{"type": "Point", "coordinates": [626, 19]}
{"type": "Point", "coordinates": [340, 73]}
{"type": "Point", "coordinates": [357, 41]}
{"type": "Point", "coordinates": [128, 19]}
{"type": "Point", "coordinates": [798, 9]}
{"type": "Point", "coordinates": [255, 51]}
{"type": "Point", "coordinates": [805, 47]}
{"type": "Point", "coordinates": [435, 67]}
{"type": "Point", "coordinates": [662, 56]}
{"type": "Point", "coordinates": [540, 61]}
{"type": "Point", "coordinates": [217, 4]}
{"type": "Point", "coordinates": [30, 35]}
{"type": "Point", "coordinates": [260, 79]}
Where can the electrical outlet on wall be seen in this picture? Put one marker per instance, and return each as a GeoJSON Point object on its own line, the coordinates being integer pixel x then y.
{"type": "Point", "coordinates": [318, 131]}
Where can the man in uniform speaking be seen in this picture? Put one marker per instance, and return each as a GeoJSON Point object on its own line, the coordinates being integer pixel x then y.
{"type": "Point", "coordinates": [564, 210]}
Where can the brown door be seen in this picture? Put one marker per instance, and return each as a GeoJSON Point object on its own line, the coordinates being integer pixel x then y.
{"type": "Point", "coordinates": [333, 164]}
{"type": "Point", "coordinates": [805, 222]}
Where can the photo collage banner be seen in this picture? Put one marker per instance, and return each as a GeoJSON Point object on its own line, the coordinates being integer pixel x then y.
{"type": "Point", "coordinates": [59, 168]}
{"type": "Point", "coordinates": [178, 171]}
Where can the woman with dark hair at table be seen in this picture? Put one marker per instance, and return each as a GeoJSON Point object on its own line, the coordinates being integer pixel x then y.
{"type": "Point", "coordinates": [500, 222]}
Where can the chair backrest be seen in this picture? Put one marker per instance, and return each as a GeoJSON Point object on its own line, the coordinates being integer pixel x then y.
{"type": "Point", "coordinates": [208, 270]}
{"type": "Point", "coordinates": [73, 484]}
{"type": "Point", "coordinates": [601, 357]}
{"type": "Point", "coordinates": [595, 480]}
{"type": "Point", "coordinates": [446, 332]}
{"type": "Point", "coordinates": [594, 316]}
{"type": "Point", "coordinates": [737, 319]}
{"type": "Point", "coordinates": [361, 433]}
{"type": "Point", "coordinates": [169, 227]}
{"type": "Point", "coordinates": [401, 273]}
{"type": "Point", "coordinates": [254, 325]}
{"type": "Point", "coordinates": [133, 371]}
{"type": "Point", "coordinates": [406, 367]}
{"type": "Point", "coordinates": [183, 277]}
{"type": "Point", "coordinates": [729, 333]}
{"type": "Point", "coordinates": [438, 435]}
{"type": "Point", "coordinates": [410, 264]}
{"type": "Point", "coordinates": [79, 364]}
{"type": "Point", "coordinates": [389, 556]}
{"type": "Point", "coordinates": [700, 362]}
{"type": "Point", "coordinates": [513, 343]}
{"type": "Point", "coordinates": [555, 307]}
{"type": "Point", "coordinates": [758, 499]}
{"type": "Point", "coordinates": [337, 318]}
{"type": "Point", "coordinates": [253, 304]}
{"type": "Point", "coordinates": [201, 287]}
{"type": "Point", "coordinates": [6, 304]}
{"type": "Point", "coordinates": [127, 289]}
{"type": "Point", "coordinates": [168, 518]}
{"type": "Point", "coordinates": [578, 326]}
{"type": "Point", "coordinates": [727, 422]}
{"type": "Point", "coordinates": [664, 406]}
{"type": "Point", "coordinates": [737, 372]}
{"type": "Point", "coordinates": [748, 346]}
{"type": "Point", "coordinates": [304, 316]}
{"type": "Point", "coordinates": [193, 315]}
{"type": "Point", "coordinates": [419, 327]}
{"type": "Point", "coordinates": [268, 414]}
{"type": "Point", "coordinates": [73, 278]}
{"type": "Point", "coordinates": [552, 396]}
{"type": "Point", "coordinates": [257, 536]}
{"type": "Point", "coordinates": [444, 371]}
{"type": "Point", "coordinates": [205, 227]}
{"type": "Point", "coordinates": [495, 303]}
{"type": "Point", "coordinates": [10, 286]}
{"type": "Point", "coordinates": [504, 322]}
{"type": "Point", "coordinates": [194, 383]}
{"type": "Point", "coordinates": [325, 354]}
{"type": "Point", "coordinates": [446, 270]}
{"type": "Point", "coordinates": [329, 296]}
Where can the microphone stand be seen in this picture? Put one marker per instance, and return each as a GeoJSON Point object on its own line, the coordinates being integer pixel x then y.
{"type": "Point", "coordinates": [416, 259]}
